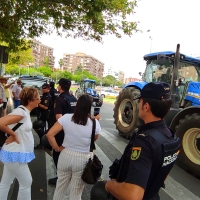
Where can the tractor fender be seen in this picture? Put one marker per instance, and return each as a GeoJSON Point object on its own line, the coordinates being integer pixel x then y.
{"type": "Point", "coordinates": [170, 115]}
{"type": "Point", "coordinates": [137, 84]}
{"type": "Point", "coordinates": [181, 114]}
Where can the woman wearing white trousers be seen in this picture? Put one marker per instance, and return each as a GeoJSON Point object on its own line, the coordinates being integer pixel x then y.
{"type": "Point", "coordinates": [18, 148]}
{"type": "Point", "coordinates": [75, 148]}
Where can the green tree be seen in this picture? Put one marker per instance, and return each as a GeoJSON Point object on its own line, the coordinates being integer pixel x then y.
{"type": "Point", "coordinates": [79, 75]}
{"type": "Point", "coordinates": [47, 71]}
{"type": "Point", "coordinates": [61, 63]}
{"type": "Point", "coordinates": [89, 19]}
{"type": "Point", "coordinates": [56, 75]}
{"type": "Point", "coordinates": [109, 81]}
{"type": "Point", "coordinates": [78, 69]}
{"type": "Point", "coordinates": [22, 57]}
{"type": "Point", "coordinates": [67, 75]}
{"type": "Point", "coordinates": [46, 61]}
{"type": "Point", "coordinates": [12, 69]}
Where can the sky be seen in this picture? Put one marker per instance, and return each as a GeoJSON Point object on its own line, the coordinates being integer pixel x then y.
{"type": "Point", "coordinates": [170, 22]}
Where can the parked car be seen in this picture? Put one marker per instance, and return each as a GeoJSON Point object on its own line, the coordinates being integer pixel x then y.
{"type": "Point", "coordinates": [109, 93]}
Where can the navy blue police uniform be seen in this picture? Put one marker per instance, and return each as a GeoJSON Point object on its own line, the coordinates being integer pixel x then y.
{"type": "Point", "coordinates": [42, 117]}
{"type": "Point", "coordinates": [144, 162]}
{"type": "Point", "coordinates": [147, 159]}
{"type": "Point", "coordinates": [46, 101]}
{"type": "Point", "coordinates": [64, 103]}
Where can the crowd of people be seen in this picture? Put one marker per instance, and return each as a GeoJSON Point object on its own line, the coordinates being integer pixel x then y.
{"type": "Point", "coordinates": [65, 124]}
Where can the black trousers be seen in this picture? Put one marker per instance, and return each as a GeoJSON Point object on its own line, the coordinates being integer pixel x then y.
{"type": "Point", "coordinates": [59, 139]}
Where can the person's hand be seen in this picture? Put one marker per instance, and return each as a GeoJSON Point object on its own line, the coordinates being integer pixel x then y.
{"type": "Point", "coordinates": [59, 149]}
{"type": "Point", "coordinates": [16, 98]}
{"type": "Point", "coordinates": [12, 139]}
{"type": "Point", "coordinates": [97, 117]}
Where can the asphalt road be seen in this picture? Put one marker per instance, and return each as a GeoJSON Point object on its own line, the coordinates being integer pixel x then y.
{"type": "Point", "coordinates": [179, 184]}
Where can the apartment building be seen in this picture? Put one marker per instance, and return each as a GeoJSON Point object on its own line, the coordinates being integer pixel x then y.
{"type": "Point", "coordinates": [40, 52]}
{"type": "Point", "coordinates": [131, 79]}
{"type": "Point", "coordinates": [119, 75]}
{"type": "Point", "coordinates": [87, 62]}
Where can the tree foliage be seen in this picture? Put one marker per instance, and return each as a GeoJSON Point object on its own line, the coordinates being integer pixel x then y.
{"type": "Point", "coordinates": [89, 19]}
{"type": "Point", "coordinates": [46, 61]}
{"type": "Point", "coordinates": [46, 71]}
{"type": "Point", "coordinates": [23, 56]}
{"type": "Point", "coordinates": [79, 75]}
{"type": "Point", "coordinates": [110, 81]}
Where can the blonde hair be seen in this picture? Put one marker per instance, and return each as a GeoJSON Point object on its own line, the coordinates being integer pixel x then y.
{"type": "Point", "coordinates": [28, 94]}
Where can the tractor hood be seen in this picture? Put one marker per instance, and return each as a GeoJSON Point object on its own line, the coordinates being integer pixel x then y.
{"type": "Point", "coordinates": [92, 92]}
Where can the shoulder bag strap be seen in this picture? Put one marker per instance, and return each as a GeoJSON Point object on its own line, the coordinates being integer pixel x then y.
{"type": "Point", "coordinates": [92, 144]}
{"type": "Point", "coordinates": [18, 124]}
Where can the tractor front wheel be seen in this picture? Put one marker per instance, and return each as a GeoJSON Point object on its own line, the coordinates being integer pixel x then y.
{"type": "Point", "coordinates": [126, 112]}
{"type": "Point", "coordinates": [188, 130]}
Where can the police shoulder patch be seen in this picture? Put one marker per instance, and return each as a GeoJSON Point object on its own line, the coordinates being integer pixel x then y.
{"type": "Point", "coordinates": [135, 153]}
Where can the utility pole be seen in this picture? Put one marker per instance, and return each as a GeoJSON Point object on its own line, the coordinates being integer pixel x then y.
{"type": "Point", "coordinates": [150, 43]}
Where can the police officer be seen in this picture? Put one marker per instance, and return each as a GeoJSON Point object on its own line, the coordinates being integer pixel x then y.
{"type": "Point", "coordinates": [64, 103]}
{"type": "Point", "coordinates": [150, 154]}
{"type": "Point", "coordinates": [43, 112]}
{"type": "Point", "coordinates": [53, 93]}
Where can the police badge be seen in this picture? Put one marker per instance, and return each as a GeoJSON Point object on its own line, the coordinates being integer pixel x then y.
{"type": "Point", "coordinates": [135, 153]}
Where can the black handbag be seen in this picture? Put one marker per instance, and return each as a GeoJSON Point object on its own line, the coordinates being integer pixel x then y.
{"type": "Point", "coordinates": [93, 168]}
{"type": "Point", "coordinates": [3, 136]}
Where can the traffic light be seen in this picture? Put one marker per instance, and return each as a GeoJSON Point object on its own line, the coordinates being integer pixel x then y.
{"type": "Point", "coordinates": [3, 54]}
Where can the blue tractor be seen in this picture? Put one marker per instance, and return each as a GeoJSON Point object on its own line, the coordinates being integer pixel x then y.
{"type": "Point", "coordinates": [182, 72]}
{"type": "Point", "coordinates": [87, 86]}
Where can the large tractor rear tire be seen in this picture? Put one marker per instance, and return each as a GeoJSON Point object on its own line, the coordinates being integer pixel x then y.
{"type": "Point", "coordinates": [188, 130]}
{"type": "Point", "coordinates": [126, 112]}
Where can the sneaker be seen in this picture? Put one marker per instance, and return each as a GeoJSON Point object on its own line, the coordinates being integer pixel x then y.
{"type": "Point", "coordinates": [50, 152]}
{"type": "Point", "coordinates": [53, 181]}
{"type": "Point", "coordinates": [39, 146]}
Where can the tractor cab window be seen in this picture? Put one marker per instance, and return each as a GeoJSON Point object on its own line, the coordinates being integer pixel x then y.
{"type": "Point", "coordinates": [188, 72]}
{"type": "Point", "coordinates": [88, 84]}
{"type": "Point", "coordinates": [82, 85]}
{"type": "Point", "coordinates": [91, 85]}
{"type": "Point", "coordinates": [158, 73]}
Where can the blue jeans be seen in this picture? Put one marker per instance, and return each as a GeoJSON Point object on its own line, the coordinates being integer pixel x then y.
{"type": "Point", "coordinates": [16, 103]}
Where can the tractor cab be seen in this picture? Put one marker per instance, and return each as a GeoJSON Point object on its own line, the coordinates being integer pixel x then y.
{"type": "Point", "coordinates": [188, 78]}
{"type": "Point", "coordinates": [87, 86]}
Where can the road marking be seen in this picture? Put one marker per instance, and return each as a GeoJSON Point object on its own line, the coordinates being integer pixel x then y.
{"type": "Point", "coordinates": [109, 119]}
{"type": "Point", "coordinates": [178, 191]}
{"type": "Point", "coordinates": [105, 161]}
{"type": "Point", "coordinates": [116, 142]}
{"type": "Point", "coordinates": [50, 173]}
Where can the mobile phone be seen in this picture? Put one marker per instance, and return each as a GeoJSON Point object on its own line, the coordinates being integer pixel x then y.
{"type": "Point", "coordinates": [96, 111]}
